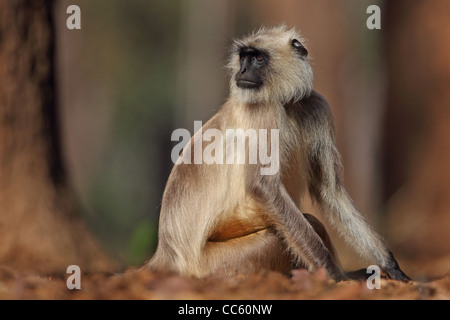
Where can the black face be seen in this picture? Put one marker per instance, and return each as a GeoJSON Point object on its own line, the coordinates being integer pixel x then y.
{"type": "Point", "coordinates": [299, 48]}
{"type": "Point", "coordinates": [253, 63]}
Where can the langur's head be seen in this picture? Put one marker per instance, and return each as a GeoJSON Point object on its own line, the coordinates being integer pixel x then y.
{"type": "Point", "coordinates": [270, 65]}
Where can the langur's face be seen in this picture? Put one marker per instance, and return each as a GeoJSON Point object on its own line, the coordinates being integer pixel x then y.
{"type": "Point", "coordinates": [253, 67]}
{"type": "Point", "coordinates": [268, 66]}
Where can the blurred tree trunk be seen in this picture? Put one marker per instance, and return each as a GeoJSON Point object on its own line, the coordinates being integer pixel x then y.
{"type": "Point", "coordinates": [39, 225]}
{"type": "Point", "coordinates": [417, 139]}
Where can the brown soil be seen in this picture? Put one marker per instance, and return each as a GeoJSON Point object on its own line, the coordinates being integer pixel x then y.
{"type": "Point", "coordinates": [134, 284]}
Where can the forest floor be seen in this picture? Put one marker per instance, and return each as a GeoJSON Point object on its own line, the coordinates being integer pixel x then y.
{"type": "Point", "coordinates": [134, 284]}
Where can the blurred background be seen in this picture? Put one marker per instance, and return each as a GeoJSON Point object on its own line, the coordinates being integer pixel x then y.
{"type": "Point", "coordinates": [137, 70]}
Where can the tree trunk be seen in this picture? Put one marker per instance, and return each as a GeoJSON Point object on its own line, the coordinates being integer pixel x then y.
{"type": "Point", "coordinates": [417, 139]}
{"type": "Point", "coordinates": [40, 229]}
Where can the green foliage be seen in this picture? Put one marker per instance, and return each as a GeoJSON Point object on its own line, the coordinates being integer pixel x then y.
{"type": "Point", "coordinates": [140, 243]}
{"type": "Point", "coordinates": [130, 47]}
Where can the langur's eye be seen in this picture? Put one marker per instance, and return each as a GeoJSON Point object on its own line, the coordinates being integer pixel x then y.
{"type": "Point", "coordinates": [259, 58]}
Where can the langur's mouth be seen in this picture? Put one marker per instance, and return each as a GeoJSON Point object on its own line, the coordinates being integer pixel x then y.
{"type": "Point", "coordinates": [247, 84]}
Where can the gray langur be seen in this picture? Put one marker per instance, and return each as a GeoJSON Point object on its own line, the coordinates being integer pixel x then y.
{"type": "Point", "coordinates": [230, 218]}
